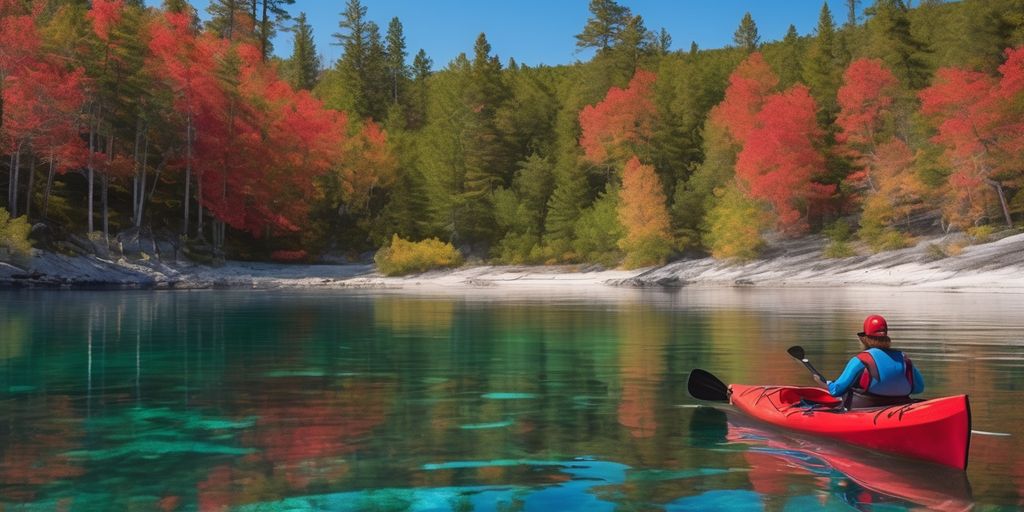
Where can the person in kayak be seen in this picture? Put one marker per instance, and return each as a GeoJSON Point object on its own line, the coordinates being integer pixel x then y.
{"type": "Point", "coordinates": [879, 375]}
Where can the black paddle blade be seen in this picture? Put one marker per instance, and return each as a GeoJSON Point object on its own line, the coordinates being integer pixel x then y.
{"type": "Point", "coordinates": [704, 386]}
{"type": "Point", "coordinates": [796, 351]}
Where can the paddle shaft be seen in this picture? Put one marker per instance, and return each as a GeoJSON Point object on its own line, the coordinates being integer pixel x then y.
{"type": "Point", "coordinates": [807, 364]}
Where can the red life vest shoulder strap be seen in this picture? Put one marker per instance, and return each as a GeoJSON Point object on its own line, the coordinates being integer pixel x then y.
{"type": "Point", "coordinates": [870, 370]}
{"type": "Point", "coordinates": [908, 369]}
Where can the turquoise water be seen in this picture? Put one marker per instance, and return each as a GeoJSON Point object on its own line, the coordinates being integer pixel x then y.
{"type": "Point", "coordinates": [281, 400]}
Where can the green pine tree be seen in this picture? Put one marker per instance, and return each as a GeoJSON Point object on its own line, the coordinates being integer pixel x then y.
{"type": "Point", "coordinates": [664, 42]}
{"type": "Point", "coordinates": [822, 70]}
{"type": "Point", "coordinates": [890, 39]}
{"type": "Point", "coordinates": [417, 104]}
{"type": "Point", "coordinates": [304, 64]}
{"type": "Point", "coordinates": [230, 19]}
{"type": "Point", "coordinates": [746, 36]}
{"type": "Point", "coordinates": [351, 68]}
{"type": "Point", "coordinates": [607, 20]}
{"type": "Point", "coordinates": [486, 158]}
{"type": "Point", "coordinates": [268, 15]}
{"type": "Point", "coordinates": [394, 57]}
{"type": "Point", "coordinates": [790, 57]}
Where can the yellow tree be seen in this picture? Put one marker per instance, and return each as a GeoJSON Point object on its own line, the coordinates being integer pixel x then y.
{"type": "Point", "coordinates": [643, 214]}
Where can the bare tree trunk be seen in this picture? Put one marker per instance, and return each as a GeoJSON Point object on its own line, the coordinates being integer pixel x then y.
{"type": "Point", "coordinates": [264, 31]}
{"type": "Point", "coordinates": [106, 186]}
{"type": "Point", "coordinates": [1002, 201]}
{"type": "Point", "coordinates": [49, 186]}
{"type": "Point", "coordinates": [199, 193]}
{"type": "Point", "coordinates": [188, 172]}
{"type": "Point", "coordinates": [14, 188]}
{"type": "Point", "coordinates": [135, 175]}
{"type": "Point", "coordinates": [142, 185]}
{"type": "Point", "coordinates": [91, 169]}
{"type": "Point", "coordinates": [10, 182]}
{"type": "Point", "coordinates": [31, 181]}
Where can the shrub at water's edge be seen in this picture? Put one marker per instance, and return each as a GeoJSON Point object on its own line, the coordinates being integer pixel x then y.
{"type": "Point", "coordinates": [405, 257]}
{"type": "Point", "coordinates": [14, 244]}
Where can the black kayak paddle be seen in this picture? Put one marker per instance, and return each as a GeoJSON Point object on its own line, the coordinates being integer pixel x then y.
{"type": "Point", "coordinates": [798, 353]}
{"type": "Point", "coordinates": [702, 385]}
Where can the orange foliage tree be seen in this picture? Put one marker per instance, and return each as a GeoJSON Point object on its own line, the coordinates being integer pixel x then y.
{"type": "Point", "coordinates": [883, 163]}
{"type": "Point", "coordinates": [643, 214]}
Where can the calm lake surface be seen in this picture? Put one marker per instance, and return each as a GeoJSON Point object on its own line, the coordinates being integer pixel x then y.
{"type": "Point", "coordinates": [284, 400]}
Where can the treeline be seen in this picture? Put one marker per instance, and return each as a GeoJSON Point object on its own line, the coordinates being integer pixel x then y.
{"type": "Point", "coordinates": [639, 154]}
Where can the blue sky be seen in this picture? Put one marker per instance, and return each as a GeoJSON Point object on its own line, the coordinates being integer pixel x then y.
{"type": "Point", "coordinates": [541, 31]}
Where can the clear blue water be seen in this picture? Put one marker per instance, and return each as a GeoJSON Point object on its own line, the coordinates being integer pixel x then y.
{"type": "Point", "coordinates": [283, 400]}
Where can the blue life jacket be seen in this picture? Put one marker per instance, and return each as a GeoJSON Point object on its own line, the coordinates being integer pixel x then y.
{"type": "Point", "coordinates": [886, 373]}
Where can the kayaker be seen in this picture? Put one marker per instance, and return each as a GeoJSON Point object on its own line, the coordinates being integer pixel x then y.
{"type": "Point", "coordinates": [879, 375]}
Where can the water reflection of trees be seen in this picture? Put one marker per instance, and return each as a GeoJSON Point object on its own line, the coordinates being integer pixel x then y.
{"type": "Point", "coordinates": [355, 392]}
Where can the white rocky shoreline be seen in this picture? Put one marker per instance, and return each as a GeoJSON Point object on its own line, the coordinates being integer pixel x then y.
{"type": "Point", "coordinates": [991, 267]}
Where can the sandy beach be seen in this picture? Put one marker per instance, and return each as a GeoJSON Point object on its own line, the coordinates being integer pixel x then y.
{"type": "Point", "coordinates": [992, 267]}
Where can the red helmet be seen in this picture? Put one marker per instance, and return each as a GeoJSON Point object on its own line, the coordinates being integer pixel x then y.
{"type": "Point", "coordinates": [874, 325]}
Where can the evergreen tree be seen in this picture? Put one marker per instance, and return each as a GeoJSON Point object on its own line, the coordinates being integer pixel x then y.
{"type": "Point", "coordinates": [571, 192]}
{"type": "Point", "coordinates": [304, 64]}
{"type": "Point", "coordinates": [520, 209]}
{"type": "Point", "coordinates": [417, 109]}
{"type": "Point", "coordinates": [230, 19]}
{"type": "Point", "coordinates": [790, 68]}
{"type": "Point", "coordinates": [607, 20]}
{"type": "Point", "coordinates": [664, 43]}
{"type": "Point", "coordinates": [851, 13]}
{"type": "Point", "coordinates": [890, 39]}
{"type": "Point", "coordinates": [486, 161]}
{"type": "Point", "coordinates": [375, 80]}
{"type": "Point", "coordinates": [746, 36]}
{"type": "Point", "coordinates": [634, 42]}
{"type": "Point", "coordinates": [394, 54]}
{"type": "Point", "coordinates": [352, 66]}
{"type": "Point", "coordinates": [822, 70]}
{"type": "Point", "coordinates": [268, 14]}
{"type": "Point", "coordinates": [176, 5]}
{"type": "Point", "coordinates": [986, 32]}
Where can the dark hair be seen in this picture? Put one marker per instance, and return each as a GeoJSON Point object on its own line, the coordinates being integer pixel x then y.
{"type": "Point", "coordinates": [876, 341]}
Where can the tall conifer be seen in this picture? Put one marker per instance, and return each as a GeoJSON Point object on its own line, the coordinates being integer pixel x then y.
{"type": "Point", "coordinates": [304, 64]}
{"type": "Point", "coordinates": [746, 36]}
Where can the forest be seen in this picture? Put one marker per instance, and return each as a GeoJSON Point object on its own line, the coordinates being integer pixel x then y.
{"type": "Point", "coordinates": [115, 116]}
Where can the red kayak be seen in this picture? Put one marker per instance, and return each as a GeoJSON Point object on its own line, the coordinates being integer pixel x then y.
{"type": "Point", "coordinates": [775, 452]}
{"type": "Point", "coordinates": [937, 430]}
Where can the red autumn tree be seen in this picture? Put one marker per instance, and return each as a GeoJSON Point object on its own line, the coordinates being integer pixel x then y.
{"type": "Point", "coordinates": [883, 163]}
{"type": "Point", "coordinates": [19, 53]}
{"type": "Point", "coordinates": [980, 126]}
{"type": "Point", "coordinates": [19, 44]}
{"type": "Point", "coordinates": [749, 85]}
{"type": "Point", "coordinates": [779, 159]}
{"type": "Point", "coordinates": [260, 145]}
{"type": "Point", "coordinates": [45, 120]}
{"type": "Point", "coordinates": [622, 124]}
{"type": "Point", "coordinates": [865, 101]}
{"type": "Point", "coordinates": [184, 61]}
{"type": "Point", "coordinates": [644, 215]}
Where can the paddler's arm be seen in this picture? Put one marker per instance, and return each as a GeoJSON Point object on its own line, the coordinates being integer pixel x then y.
{"type": "Point", "coordinates": [918, 382]}
{"type": "Point", "coordinates": [850, 375]}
